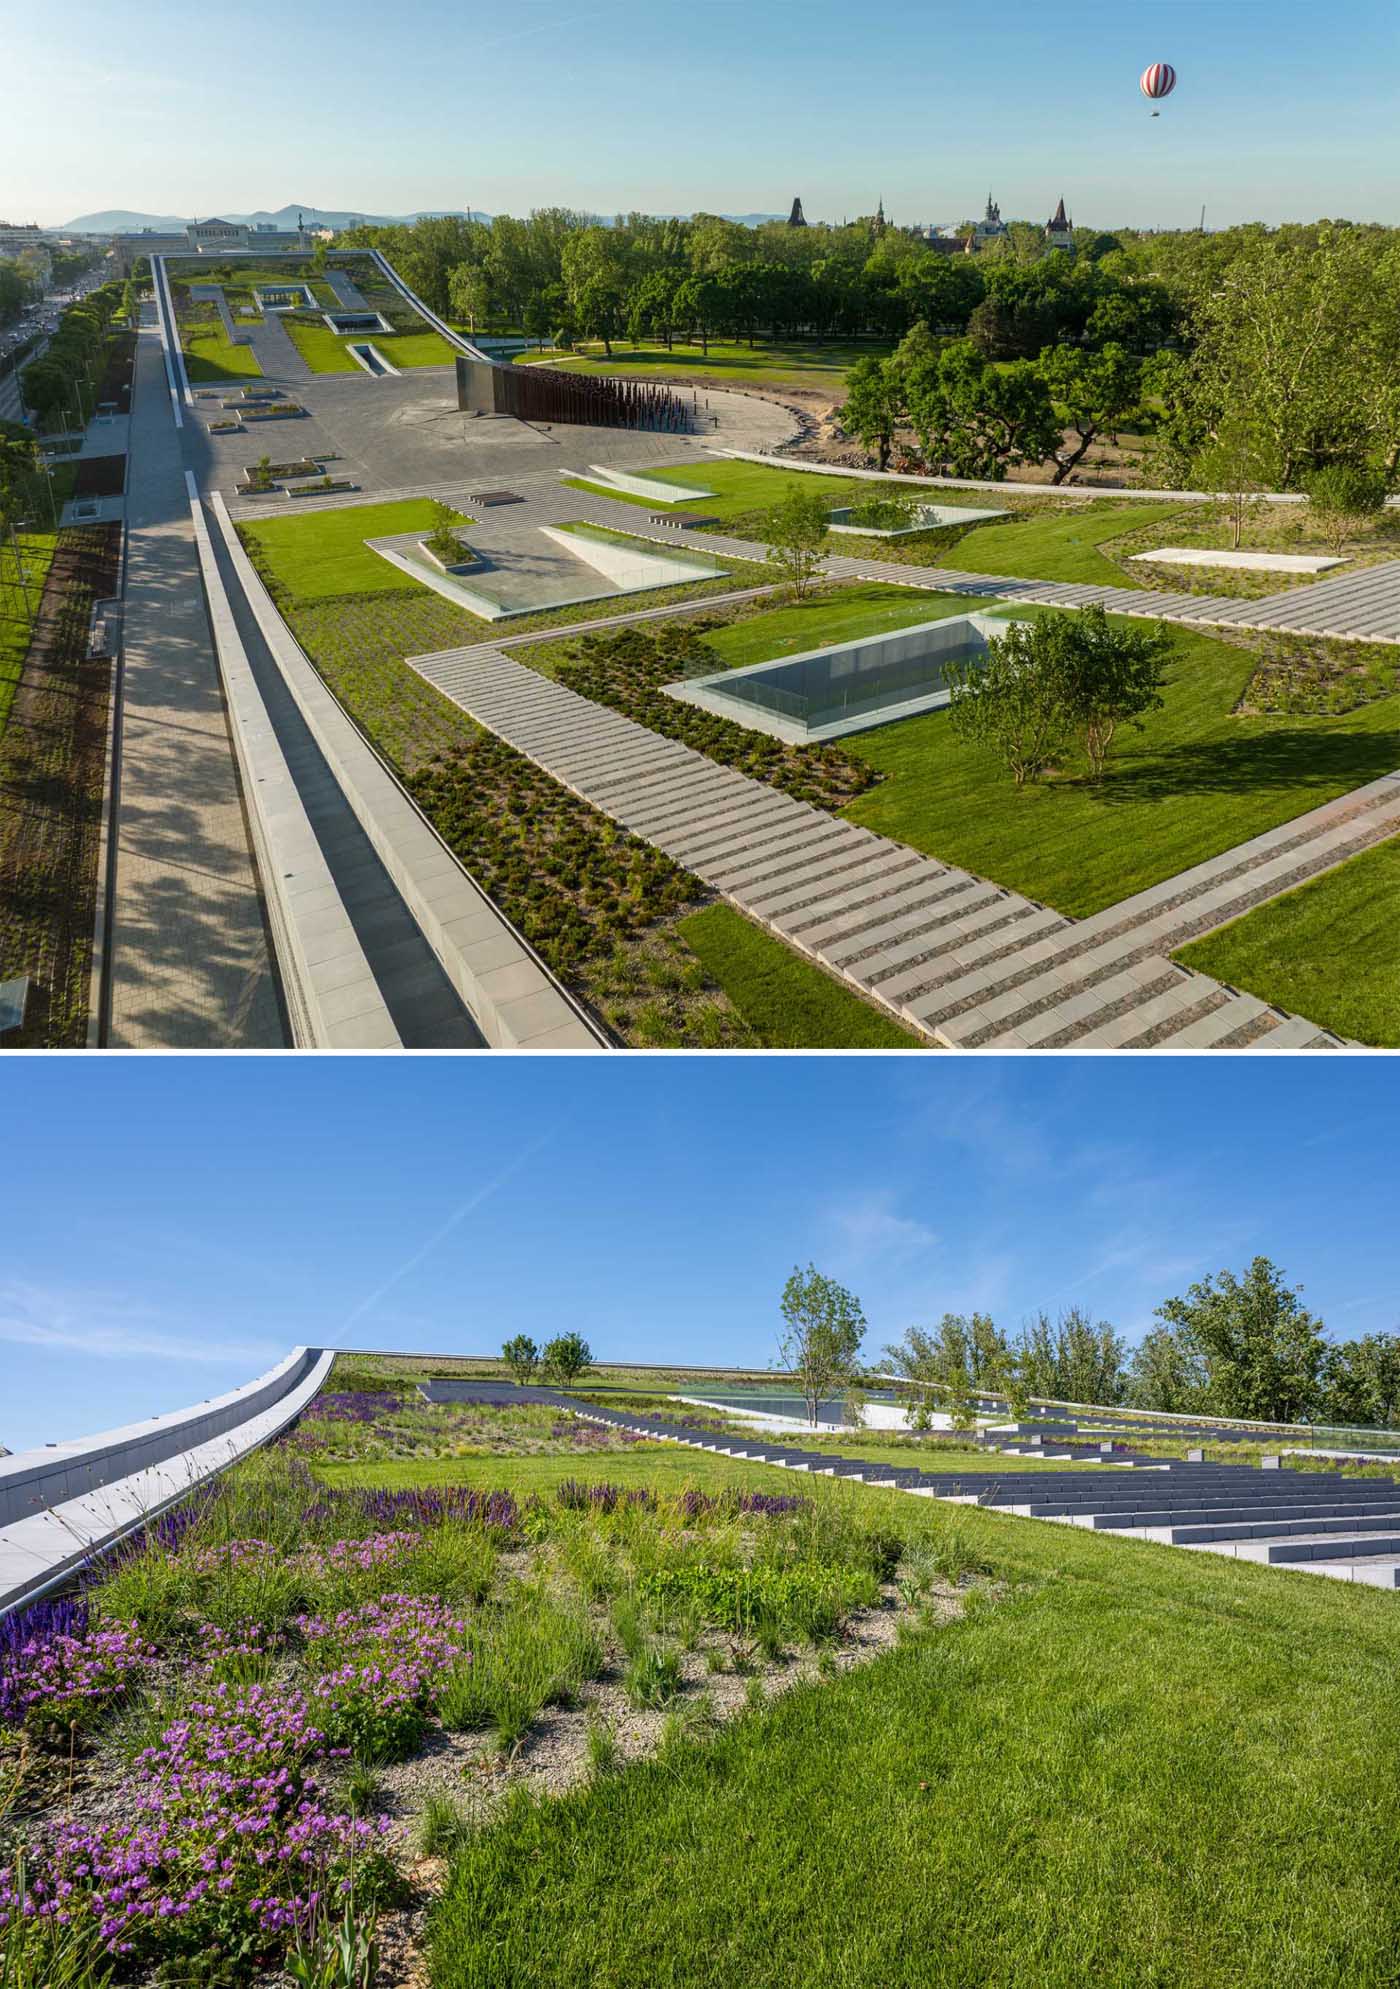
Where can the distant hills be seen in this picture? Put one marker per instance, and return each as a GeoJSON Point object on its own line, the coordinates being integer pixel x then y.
{"type": "Point", "coordinates": [125, 221]}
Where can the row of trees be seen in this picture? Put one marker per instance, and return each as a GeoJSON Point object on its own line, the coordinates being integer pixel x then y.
{"type": "Point", "coordinates": [1241, 1346]}
{"type": "Point", "coordinates": [60, 386]}
{"type": "Point", "coordinates": [560, 273]}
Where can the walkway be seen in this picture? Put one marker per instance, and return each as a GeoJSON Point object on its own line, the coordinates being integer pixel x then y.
{"type": "Point", "coordinates": [190, 961]}
{"type": "Point", "coordinates": [966, 962]}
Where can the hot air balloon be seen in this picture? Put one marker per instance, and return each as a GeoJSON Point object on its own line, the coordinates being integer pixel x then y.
{"type": "Point", "coordinates": [1158, 80]}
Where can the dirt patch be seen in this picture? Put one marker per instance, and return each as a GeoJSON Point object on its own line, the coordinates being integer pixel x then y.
{"type": "Point", "coordinates": [52, 779]}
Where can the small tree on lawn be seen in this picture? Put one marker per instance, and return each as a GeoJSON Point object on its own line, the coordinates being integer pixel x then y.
{"type": "Point", "coordinates": [874, 405]}
{"type": "Point", "coordinates": [566, 1357]}
{"type": "Point", "coordinates": [1102, 676]}
{"type": "Point", "coordinates": [1004, 701]}
{"type": "Point", "coordinates": [443, 540]}
{"type": "Point", "coordinates": [1343, 500]}
{"type": "Point", "coordinates": [820, 1341]}
{"type": "Point", "coordinates": [522, 1357]}
{"type": "Point", "coordinates": [795, 533]}
{"type": "Point", "coordinates": [1233, 464]}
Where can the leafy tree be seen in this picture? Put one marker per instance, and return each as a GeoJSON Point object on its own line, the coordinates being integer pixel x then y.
{"type": "Point", "coordinates": [1002, 328]}
{"type": "Point", "coordinates": [699, 303]}
{"type": "Point", "coordinates": [971, 1345]}
{"type": "Point", "coordinates": [1092, 392]}
{"type": "Point", "coordinates": [1002, 701]}
{"type": "Point", "coordinates": [1077, 1359]}
{"type": "Point", "coordinates": [566, 1357]}
{"type": "Point", "coordinates": [796, 532]}
{"type": "Point", "coordinates": [974, 419]}
{"type": "Point", "coordinates": [1101, 676]}
{"type": "Point", "coordinates": [822, 1331]}
{"type": "Point", "coordinates": [522, 1357]}
{"type": "Point", "coordinates": [1343, 500]}
{"type": "Point", "coordinates": [1167, 1372]}
{"type": "Point", "coordinates": [874, 405]}
{"type": "Point", "coordinates": [469, 293]}
{"type": "Point", "coordinates": [1263, 1351]}
{"type": "Point", "coordinates": [1361, 1382]}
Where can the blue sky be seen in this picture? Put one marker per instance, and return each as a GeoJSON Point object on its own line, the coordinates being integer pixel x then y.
{"type": "Point", "coordinates": [1284, 109]}
{"type": "Point", "coordinates": [174, 1225]}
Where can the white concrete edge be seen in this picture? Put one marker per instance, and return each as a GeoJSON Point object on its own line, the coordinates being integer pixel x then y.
{"type": "Point", "coordinates": [40, 1552]}
{"type": "Point", "coordinates": [636, 486]}
{"type": "Point", "coordinates": [454, 339]}
{"type": "Point", "coordinates": [614, 562]}
{"type": "Point", "coordinates": [360, 360]}
{"type": "Point", "coordinates": [170, 341]}
{"type": "Point", "coordinates": [514, 998]}
{"type": "Point", "coordinates": [296, 879]}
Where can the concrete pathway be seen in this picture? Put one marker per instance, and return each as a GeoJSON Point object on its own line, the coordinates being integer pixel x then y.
{"type": "Point", "coordinates": [959, 958]}
{"type": "Point", "coordinates": [190, 965]}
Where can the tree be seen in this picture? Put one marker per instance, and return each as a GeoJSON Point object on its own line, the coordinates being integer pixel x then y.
{"type": "Point", "coordinates": [1091, 392]}
{"type": "Point", "coordinates": [566, 1357]}
{"type": "Point", "coordinates": [1003, 701]}
{"type": "Point", "coordinates": [1361, 1382]}
{"type": "Point", "coordinates": [1262, 1349]}
{"type": "Point", "coordinates": [469, 293]}
{"type": "Point", "coordinates": [1102, 676]}
{"type": "Point", "coordinates": [974, 419]}
{"type": "Point", "coordinates": [970, 1345]}
{"type": "Point", "coordinates": [1343, 500]}
{"type": "Point", "coordinates": [1233, 464]}
{"type": "Point", "coordinates": [1077, 1359]}
{"type": "Point", "coordinates": [874, 405]}
{"type": "Point", "coordinates": [522, 1357]}
{"type": "Point", "coordinates": [1167, 1372]}
{"type": "Point", "coordinates": [822, 1331]}
{"type": "Point", "coordinates": [795, 532]}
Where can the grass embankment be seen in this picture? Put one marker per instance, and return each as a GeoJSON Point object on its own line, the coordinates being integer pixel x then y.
{"type": "Point", "coordinates": [817, 364]}
{"type": "Point", "coordinates": [19, 603]}
{"type": "Point", "coordinates": [210, 357]}
{"type": "Point", "coordinates": [663, 1467]}
{"type": "Point", "coordinates": [790, 1004]}
{"type": "Point", "coordinates": [1140, 1766]}
{"type": "Point", "coordinates": [1197, 780]}
{"type": "Point", "coordinates": [326, 351]}
{"type": "Point", "coordinates": [323, 555]}
{"type": "Point", "coordinates": [1330, 950]}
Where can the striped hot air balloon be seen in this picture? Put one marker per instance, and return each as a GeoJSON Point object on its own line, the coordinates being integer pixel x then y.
{"type": "Point", "coordinates": [1158, 80]}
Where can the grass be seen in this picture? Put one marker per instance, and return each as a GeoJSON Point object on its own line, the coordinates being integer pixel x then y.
{"type": "Point", "coordinates": [790, 1004]}
{"type": "Point", "coordinates": [36, 551]}
{"type": "Point", "coordinates": [740, 488]}
{"type": "Point", "coordinates": [665, 1468]}
{"type": "Point", "coordinates": [1196, 781]}
{"type": "Point", "coordinates": [871, 607]}
{"type": "Point", "coordinates": [814, 363]}
{"type": "Point", "coordinates": [1141, 1767]}
{"type": "Point", "coordinates": [1058, 542]}
{"type": "Point", "coordinates": [1329, 950]}
{"type": "Point", "coordinates": [326, 351]}
{"type": "Point", "coordinates": [209, 356]}
{"type": "Point", "coordinates": [324, 555]}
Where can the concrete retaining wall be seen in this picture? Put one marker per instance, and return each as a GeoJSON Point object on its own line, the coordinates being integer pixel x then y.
{"type": "Point", "coordinates": [509, 992]}
{"type": "Point", "coordinates": [318, 950]}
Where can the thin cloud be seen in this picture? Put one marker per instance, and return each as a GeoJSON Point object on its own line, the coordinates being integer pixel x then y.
{"type": "Point", "coordinates": [871, 1231]}
{"type": "Point", "coordinates": [105, 1329]}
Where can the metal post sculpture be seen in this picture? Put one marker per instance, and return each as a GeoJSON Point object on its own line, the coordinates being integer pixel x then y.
{"type": "Point", "coordinates": [540, 393]}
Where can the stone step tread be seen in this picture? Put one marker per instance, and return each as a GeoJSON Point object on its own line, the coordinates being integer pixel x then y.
{"type": "Point", "coordinates": [1209, 1029]}
{"type": "Point", "coordinates": [879, 869]}
{"type": "Point", "coordinates": [922, 898]}
{"type": "Point", "coordinates": [905, 964]}
{"type": "Point", "coordinates": [1293, 1033]}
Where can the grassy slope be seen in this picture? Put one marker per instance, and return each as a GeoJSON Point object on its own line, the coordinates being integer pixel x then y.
{"type": "Point", "coordinates": [1143, 1767]}
{"type": "Point", "coordinates": [790, 1003]}
{"type": "Point", "coordinates": [665, 1466]}
{"type": "Point", "coordinates": [869, 608]}
{"type": "Point", "coordinates": [818, 363]}
{"type": "Point", "coordinates": [326, 351]}
{"type": "Point", "coordinates": [1330, 951]}
{"type": "Point", "coordinates": [209, 356]}
{"type": "Point", "coordinates": [324, 554]}
{"type": "Point", "coordinates": [37, 551]}
{"type": "Point", "coordinates": [1056, 543]}
{"type": "Point", "coordinates": [1196, 781]}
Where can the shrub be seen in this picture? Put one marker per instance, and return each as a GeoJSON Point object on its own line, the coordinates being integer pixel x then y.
{"type": "Point", "coordinates": [810, 1601]}
{"type": "Point", "coordinates": [652, 1677]}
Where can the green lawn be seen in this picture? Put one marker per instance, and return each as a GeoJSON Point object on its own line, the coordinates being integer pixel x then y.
{"type": "Point", "coordinates": [1136, 1767]}
{"type": "Point", "coordinates": [1196, 781]}
{"type": "Point", "coordinates": [841, 615]}
{"type": "Point", "coordinates": [323, 554]}
{"type": "Point", "coordinates": [1059, 541]}
{"type": "Point", "coordinates": [789, 1003]}
{"type": "Point", "coordinates": [739, 488]}
{"type": "Point", "coordinates": [1329, 950]}
{"type": "Point", "coordinates": [36, 557]}
{"type": "Point", "coordinates": [209, 356]}
{"type": "Point", "coordinates": [818, 363]}
{"type": "Point", "coordinates": [326, 351]}
{"type": "Point", "coordinates": [667, 1467]}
